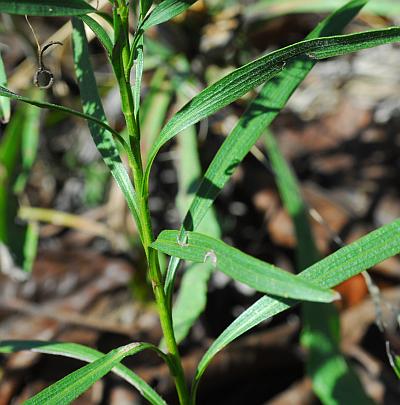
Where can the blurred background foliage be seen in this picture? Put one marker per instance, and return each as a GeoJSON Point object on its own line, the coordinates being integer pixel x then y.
{"type": "Point", "coordinates": [62, 216]}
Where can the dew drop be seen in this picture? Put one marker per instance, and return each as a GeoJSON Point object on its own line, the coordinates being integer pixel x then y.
{"type": "Point", "coordinates": [211, 257]}
{"type": "Point", "coordinates": [183, 240]}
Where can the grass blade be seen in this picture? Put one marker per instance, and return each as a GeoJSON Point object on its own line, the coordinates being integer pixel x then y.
{"type": "Point", "coordinates": [91, 104]}
{"type": "Point", "coordinates": [260, 275]}
{"type": "Point", "coordinates": [327, 273]}
{"type": "Point", "coordinates": [84, 353]}
{"type": "Point", "coordinates": [74, 384]}
{"type": "Point", "coordinates": [272, 98]}
{"type": "Point", "coordinates": [50, 8]}
{"type": "Point", "coordinates": [166, 10]}
{"type": "Point", "coordinates": [5, 108]}
{"type": "Point", "coordinates": [249, 76]}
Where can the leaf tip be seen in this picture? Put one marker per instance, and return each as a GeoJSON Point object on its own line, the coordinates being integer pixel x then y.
{"type": "Point", "coordinates": [336, 296]}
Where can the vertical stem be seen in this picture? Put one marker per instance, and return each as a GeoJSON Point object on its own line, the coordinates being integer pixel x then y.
{"type": "Point", "coordinates": [122, 70]}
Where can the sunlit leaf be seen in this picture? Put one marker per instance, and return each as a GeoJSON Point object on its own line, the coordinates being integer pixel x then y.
{"type": "Point", "coordinates": [260, 113]}
{"type": "Point", "coordinates": [329, 272]}
{"type": "Point", "coordinates": [262, 276]}
{"type": "Point", "coordinates": [249, 76]}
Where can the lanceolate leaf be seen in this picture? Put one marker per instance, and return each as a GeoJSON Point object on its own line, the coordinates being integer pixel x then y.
{"type": "Point", "coordinates": [260, 275]}
{"type": "Point", "coordinates": [51, 8]}
{"type": "Point", "coordinates": [87, 354]}
{"type": "Point", "coordinates": [261, 112]}
{"type": "Point", "coordinates": [91, 104]}
{"type": "Point", "coordinates": [249, 76]}
{"type": "Point", "coordinates": [329, 272]}
{"type": "Point", "coordinates": [74, 384]}
{"type": "Point", "coordinates": [166, 10]}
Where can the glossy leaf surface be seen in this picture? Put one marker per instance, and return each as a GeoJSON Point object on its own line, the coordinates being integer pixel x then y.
{"type": "Point", "coordinates": [262, 276]}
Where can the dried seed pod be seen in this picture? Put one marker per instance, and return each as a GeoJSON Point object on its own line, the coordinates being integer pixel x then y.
{"type": "Point", "coordinates": [43, 77]}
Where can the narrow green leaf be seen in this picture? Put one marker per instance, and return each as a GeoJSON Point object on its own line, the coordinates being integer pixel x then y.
{"type": "Point", "coordinates": [70, 387]}
{"type": "Point", "coordinates": [5, 109]}
{"type": "Point", "coordinates": [91, 104]}
{"type": "Point", "coordinates": [260, 113]}
{"type": "Point", "coordinates": [100, 33]}
{"type": "Point", "coordinates": [84, 353]}
{"type": "Point", "coordinates": [249, 76]}
{"type": "Point", "coordinates": [50, 8]}
{"type": "Point", "coordinates": [166, 10]}
{"type": "Point", "coordinates": [327, 273]}
{"type": "Point", "coordinates": [255, 273]}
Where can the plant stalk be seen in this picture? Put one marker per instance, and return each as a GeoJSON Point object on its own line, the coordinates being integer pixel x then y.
{"type": "Point", "coordinates": [147, 237]}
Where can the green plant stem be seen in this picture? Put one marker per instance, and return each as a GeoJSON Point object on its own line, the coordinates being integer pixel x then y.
{"type": "Point", "coordinates": [161, 300]}
{"type": "Point", "coordinates": [147, 236]}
